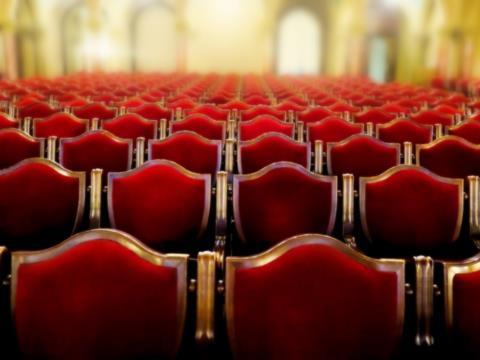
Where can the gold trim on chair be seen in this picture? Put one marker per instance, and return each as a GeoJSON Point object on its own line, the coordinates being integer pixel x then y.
{"type": "Point", "coordinates": [424, 300]}
{"type": "Point", "coordinates": [199, 137]}
{"type": "Point", "coordinates": [177, 261]}
{"type": "Point", "coordinates": [20, 132]}
{"type": "Point", "coordinates": [261, 118]}
{"type": "Point", "coordinates": [235, 263]}
{"type": "Point", "coordinates": [394, 122]}
{"type": "Point", "coordinates": [62, 171]}
{"type": "Point", "coordinates": [140, 151]}
{"type": "Point", "coordinates": [433, 144]}
{"type": "Point", "coordinates": [193, 117]}
{"type": "Point", "coordinates": [112, 137]}
{"type": "Point", "coordinates": [392, 171]}
{"type": "Point", "coordinates": [205, 177]}
{"type": "Point", "coordinates": [346, 142]}
{"type": "Point", "coordinates": [278, 165]}
{"type": "Point", "coordinates": [318, 157]}
{"type": "Point", "coordinates": [69, 116]}
{"type": "Point", "coordinates": [205, 325]}
{"type": "Point", "coordinates": [136, 116]}
{"type": "Point", "coordinates": [474, 207]}
{"type": "Point", "coordinates": [95, 198]}
{"type": "Point", "coordinates": [271, 134]}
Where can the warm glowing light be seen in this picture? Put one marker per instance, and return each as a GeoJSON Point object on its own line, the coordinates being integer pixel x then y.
{"type": "Point", "coordinates": [96, 47]}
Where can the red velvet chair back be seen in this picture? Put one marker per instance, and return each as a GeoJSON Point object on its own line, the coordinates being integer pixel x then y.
{"type": "Point", "coordinates": [41, 203]}
{"type": "Point", "coordinates": [60, 125]}
{"type": "Point", "coordinates": [374, 116]}
{"type": "Point", "coordinates": [15, 146]}
{"type": "Point", "coordinates": [94, 110]}
{"type": "Point", "coordinates": [402, 130]}
{"type": "Point", "coordinates": [99, 295]}
{"type": "Point", "coordinates": [269, 148]}
{"type": "Point", "coordinates": [249, 130]}
{"type": "Point", "coordinates": [153, 112]}
{"type": "Point", "coordinates": [304, 297]}
{"type": "Point", "coordinates": [211, 111]}
{"type": "Point", "coordinates": [161, 203]}
{"type": "Point", "coordinates": [450, 156]}
{"type": "Point", "coordinates": [37, 109]}
{"type": "Point", "coordinates": [235, 105]}
{"type": "Point", "coordinates": [262, 110]}
{"type": "Point", "coordinates": [190, 150]}
{"type": "Point", "coordinates": [432, 117]}
{"type": "Point", "coordinates": [6, 122]}
{"type": "Point", "coordinates": [361, 155]}
{"type": "Point", "coordinates": [332, 129]}
{"type": "Point", "coordinates": [314, 115]}
{"type": "Point", "coordinates": [469, 130]}
{"type": "Point", "coordinates": [461, 281]}
{"type": "Point", "coordinates": [201, 124]}
{"type": "Point", "coordinates": [98, 149]}
{"type": "Point", "coordinates": [282, 200]}
{"type": "Point", "coordinates": [131, 126]}
{"type": "Point", "coordinates": [411, 210]}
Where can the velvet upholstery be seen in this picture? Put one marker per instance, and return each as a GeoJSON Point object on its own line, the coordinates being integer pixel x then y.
{"type": "Point", "coordinates": [450, 156]}
{"type": "Point", "coordinates": [94, 110]}
{"type": "Point", "coordinates": [190, 150]}
{"type": "Point", "coordinates": [411, 210]}
{"type": "Point", "coordinates": [402, 130]}
{"type": "Point", "coordinates": [280, 201]}
{"type": "Point", "coordinates": [40, 204]}
{"type": "Point", "coordinates": [7, 122]}
{"type": "Point", "coordinates": [314, 115]}
{"type": "Point", "coordinates": [185, 103]}
{"type": "Point", "coordinates": [131, 126]}
{"type": "Point", "coordinates": [332, 129]}
{"type": "Point", "coordinates": [361, 155]}
{"type": "Point", "coordinates": [201, 124]}
{"type": "Point", "coordinates": [96, 150]}
{"type": "Point", "coordinates": [314, 301]}
{"type": "Point", "coordinates": [249, 130]}
{"type": "Point", "coordinates": [211, 111]}
{"type": "Point", "coordinates": [15, 146]}
{"type": "Point", "coordinates": [98, 300]}
{"type": "Point", "coordinates": [268, 148]}
{"type": "Point", "coordinates": [60, 125]}
{"type": "Point", "coordinates": [257, 100]}
{"type": "Point", "coordinates": [235, 105]}
{"type": "Point", "coordinates": [289, 106]}
{"type": "Point", "coordinates": [37, 109]}
{"type": "Point", "coordinates": [341, 107]}
{"type": "Point", "coordinates": [465, 330]}
{"type": "Point", "coordinates": [152, 112]}
{"type": "Point", "coordinates": [374, 116]}
{"type": "Point", "coordinates": [262, 110]}
{"type": "Point", "coordinates": [469, 130]}
{"type": "Point", "coordinates": [161, 204]}
{"type": "Point", "coordinates": [431, 117]}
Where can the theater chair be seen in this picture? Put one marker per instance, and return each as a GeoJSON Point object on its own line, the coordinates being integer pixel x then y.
{"type": "Point", "coordinates": [41, 203]}
{"type": "Point", "coordinates": [262, 110]}
{"type": "Point", "coordinates": [249, 130]}
{"type": "Point", "coordinates": [402, 130]}
{"type": "Point", "coordinates": [460, 308]}
{"type": "Point", "coordinates": [450, 156]}
{"type": "Point", "coordinates": [313, 297]}
{"type": "Point", "coordinates": [202, 125]}
{"type": "Point", "coordinates": [94, 111]}
{"type": "Point", "coordinates": [131, 126]}
{"type": "Point", "coordinates": [212, 111]}
{"type": "Point", "coordinates": [361, 155]}
{"type": "Point", "coordinates": [16, 145]}
{"type": "Point", "coordinates": [97, 149]}
{"type": "Point", "coordinates": [374, 116]}
{"type": "Point", "coordinates": [7, 122]}
{"type": "Point", "coordinates": [432, 117]}
{"type": "Point", "coordinates": [257, 100]}
{"type": "Point", "coordinates": [406, 211]}
{"type": "Point", "coordinates": [469, 130]}
{"type": "Point", "coordinates": [332, 129]}
{"type": "Point", "coordinates": [101, 294]}
{"type": "Point", "coordinates": [314, 115]}
{"type": "Point", "coordinates": [37, 109]}
{"type": "Point", "coordinates": [153, 112]}
{"type": "Point", "coordinates": [60, 125]}
{"type": "Point", "coordinates": [190, 150]}
{"type": "Point", "coordinates": [253, 155]}
{"type": "Point", "coordinates": [279, 201]}
{"type": "Point", "coordinates": [162, 204]}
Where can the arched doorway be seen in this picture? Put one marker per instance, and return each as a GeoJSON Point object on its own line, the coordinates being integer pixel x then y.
{"type": "Point", "coordinates": [298, 43]}
{"type": "Point", "coordinates": [154, 38]}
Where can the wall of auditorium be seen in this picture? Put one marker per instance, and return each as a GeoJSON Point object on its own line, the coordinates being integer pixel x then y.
{"type": "Point", "coordinates": [406, 40]}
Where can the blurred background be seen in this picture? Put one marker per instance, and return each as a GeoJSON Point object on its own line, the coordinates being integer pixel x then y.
{"type": "Point", "coordinates": [406, 40]}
